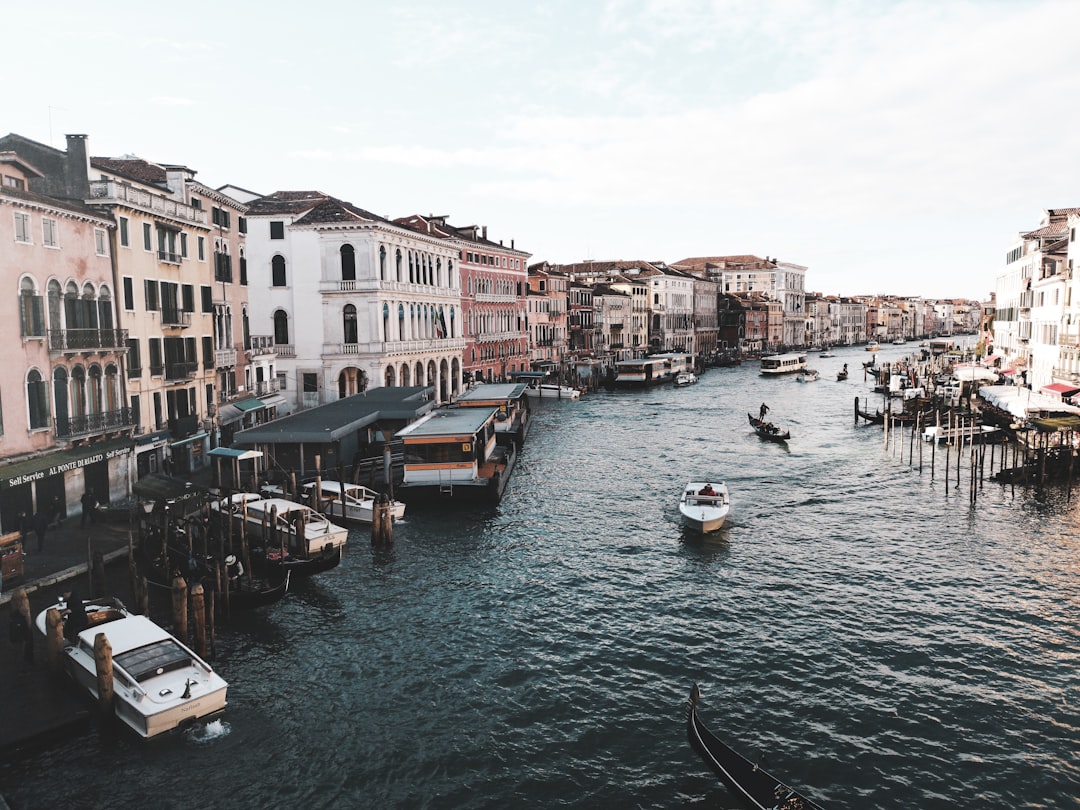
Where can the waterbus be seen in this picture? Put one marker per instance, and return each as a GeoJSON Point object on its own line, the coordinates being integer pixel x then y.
{"type": "Point", "coordinates": [783, 363]}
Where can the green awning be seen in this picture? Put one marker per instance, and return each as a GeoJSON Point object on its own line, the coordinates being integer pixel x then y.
{"type": "Point", "coordinates": [34, 469]}
{"type": "Point", "coordinates": [202, 434]}
{"type": "Point", "coordinates": [235, 453]}
{"type": "Point", "coordinates": [252, 404]}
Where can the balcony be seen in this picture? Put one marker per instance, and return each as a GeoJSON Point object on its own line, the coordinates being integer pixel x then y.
{"type": "Point", "coordinates": [175, 319]}
{"type": "Point", "coordinates": [180, 372]}
{"type": "Point", "coordinates": [338, 286]}
{"type": "Point", "coordinates": [1069, 340]}
{"type": "Point", "coordinates": [424, 346]}
{"type": "Point", "coordinates": [260, 346]}
{"type": "Point", "coordinates": [285, 350]}
{"type": "Point", "coordinates": [168, 257]}
{"type": "Point", "coordinates": [1065, 375]}
{"type": "Point", "coordinates": [109, 191]}
{"type": "Point", "coordinates": [87, 340]}
{"type": "Point", "coordinates": [72, 427]}
{"type": "Point", "coordinates": [334, 349]}
{"type": "Point", "coordinates": [265, 387]}
{"type": "Point", "coordinates": [223, 358]}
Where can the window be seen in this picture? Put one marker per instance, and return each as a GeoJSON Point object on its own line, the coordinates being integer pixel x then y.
{"type": "Point", "coordinates": [37, 400]}
{"type": "Point", "coordinates": [50, 235]}
{"type": "Point", "coordinates": [189, 298]}
{"type": "Point", "coordinates": [277, 271]}
{"type": "Point", "coordinates": [277, 230]}
{"type": "Point", "coordinates": [157, 367]}
{"type": "Point", "coordinates": [129, 294]}
{"type": "Point", "coordinates": [281, 328]}
{"type": "Point", "coordinates": [349, 318]}
{"type": "Point", "coordinates": [31, 310]}
{"type": "Point", "coordinates": [311, 383]}
{"type": "Point", "coordinates": [14, 182]}
{"type": "Point", "coordinates": [167, 246]}
{"type": "Point", "coordinates": [136, 413]}
{"type": "Point", "coordinates": [348, 263]}
{"type": "Point", "coordinates": [208, 352]}
{"type": "Point", "coordinates": [147, 237]}
{"type": "Point", "coordinates": [202, 248]}
{"type": "Point", "coordinates": [183, 244]}
{"type": "Point", "coordinates": [101, 247]}
{"type": "Point", "coordinates": [151, 295]}
{"type": "Point", "coordinates": [124, 232]}
{"type": "Point", "coordinates": [22, 227]}
{"type": "Point", "coordinates": [282, 379]}
{"type": "Point", "coordinates": [243, 271]}
{"type": "Point", "coordinates": [241, 224]}
{"type": "Point", "coordinates": [134, 360]}
{"type": "Point", "coordinates": [207, 298]}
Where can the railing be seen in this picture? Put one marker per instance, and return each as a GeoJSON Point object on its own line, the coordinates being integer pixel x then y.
{"type": "Point", "coordinates": [111, 191]}
{"type": "Point", "coordinates": [1069, 340]}
{"type": "Point", "coordinates": [224, 357]}
{"type": "Point", "coordinates": [134, 371]}
{"type": "Point", "coordinates": [412, 346]}
{"type": "Point", "coordinates": [264, 387]}
{"type": "Point", "coordinates": [80, 340]}
{"type": "Point", "coordinates": [87, 424]}
{"type": "Point", "coordinates": [338, 286]}
{"type": "Point", "coordinates": [175, 319]}
{"type": "Point", "coordinates": [285, 350]}
{"type": "Point", "coordinates": [341, 348]}
{"type": "Point", "coordinates": [226, 396]}
{"type": "Point", "coordinates": [157, 371]}
{"type": "Point", "coordinates": [168, 257]}
{"type": "Point", "coordinates": [180, 371]}
{"type": "Point", "coordinates": [1067, 375]}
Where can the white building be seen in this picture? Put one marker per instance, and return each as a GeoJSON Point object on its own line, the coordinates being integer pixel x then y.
{"type": "Point", "coordinates": [351, 300]}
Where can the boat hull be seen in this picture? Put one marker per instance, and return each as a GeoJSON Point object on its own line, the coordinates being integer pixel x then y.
{"type": "Point", "coordinates": [767, 430]}
{"type": "Point", "coordinates": [704, 513]}
{"type": "Point", "coordinates": [746, 779]}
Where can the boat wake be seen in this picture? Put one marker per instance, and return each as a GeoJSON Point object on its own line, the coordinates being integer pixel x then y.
{"type": "Point", "coordinates": [204, 733]}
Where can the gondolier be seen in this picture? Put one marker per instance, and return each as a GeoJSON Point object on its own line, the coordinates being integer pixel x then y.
{"type": "Point", "coordinates": [764, 410]}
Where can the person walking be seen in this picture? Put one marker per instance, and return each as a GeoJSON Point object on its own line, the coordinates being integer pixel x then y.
{"type": "Point", "coordinates": [89, 504]}
{"type": "Point", "coordinates": [41, 524]}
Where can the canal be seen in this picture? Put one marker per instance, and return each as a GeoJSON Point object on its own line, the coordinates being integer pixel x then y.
{"type": "Point", "coordinates": [875, 640]}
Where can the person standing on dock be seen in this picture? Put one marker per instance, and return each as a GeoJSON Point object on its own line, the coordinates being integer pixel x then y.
{"type": "Point", "coordinates": [764, 410]}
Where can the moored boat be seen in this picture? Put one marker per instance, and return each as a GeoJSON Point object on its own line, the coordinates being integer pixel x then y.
{"type": "Point", "coordinates": [751, 783]}
{"type": "Point", "coordinates": [767, 430]}
{"type": "Point", "coordinates": [159, 684]}
{"type": "Point", "coordinates": [349, 502]}
{"type": "Point", "coordinates": [704, 505]}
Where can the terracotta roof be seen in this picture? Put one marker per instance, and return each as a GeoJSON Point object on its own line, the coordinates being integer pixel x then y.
{"type": "Point", "coordinates": [332, 210]}
{"type": "Point", "coordinates": [311, 208]}
{"type": "Point", "coordinates": [137, 169]}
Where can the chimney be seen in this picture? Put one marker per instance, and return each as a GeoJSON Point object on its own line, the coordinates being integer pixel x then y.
{"type": "Point", "coordinates": [484, 232]}
{"type": "Point", "coordinates": [77, 168]}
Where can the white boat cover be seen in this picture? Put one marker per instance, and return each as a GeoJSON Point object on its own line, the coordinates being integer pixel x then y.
{"type": "Point", "coordinates": [1023, 403]}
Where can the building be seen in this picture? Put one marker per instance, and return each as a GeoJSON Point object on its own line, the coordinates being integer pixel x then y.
{"type": "Point", "coordinates": [351, 299]}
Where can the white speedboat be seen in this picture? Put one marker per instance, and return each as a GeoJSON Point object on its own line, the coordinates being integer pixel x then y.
{"type": "Point", "coordinates": [809, 375]}
{"type": "Point", "coordinates": [257, 514]}
{"type": "Point", "coordinates": [704, 505]}
{"type": "Point", "coordinates": [159, 684]}
{"type": "Point", "coordinates": [357, 501]}
{"type": "Point", "coordinates": [551, 391]}
{"type": "Point", "coordinates": [684, 378]}
{"type": "Point", "coordinates": [872, 346]}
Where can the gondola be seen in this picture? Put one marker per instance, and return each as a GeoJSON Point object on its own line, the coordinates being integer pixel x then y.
{"type": "Point", "coordinates": [271, 562]}
{"type": "Point", "coordinates": [756, 787]}
{"type": "Point", "coordinates": [767, 430]}
{"type": "Point", "coordinates": [246, 594]}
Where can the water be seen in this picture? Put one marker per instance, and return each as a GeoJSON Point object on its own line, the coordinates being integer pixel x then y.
{"type": "Point", "coordinates": [882, 643]}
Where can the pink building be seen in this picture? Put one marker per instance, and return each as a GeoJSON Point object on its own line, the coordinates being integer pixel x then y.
{"type": "Point", "coordinates": [64, 424]}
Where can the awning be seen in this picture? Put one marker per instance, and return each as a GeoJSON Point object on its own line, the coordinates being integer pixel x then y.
{"type": "Point", "coordinates": [273, 401]}
{"type": "Point", "coordinates": [157, 487]}
{"type": "Point", "coordinates": [235, 453]}
{"type": "Point", "coordinates": [43, 466]}
{"type": "Point", "coordinates": [227, 414]}
{"type": "Point", "coordinates": [1061, 389]}
{"type": "Point", "coordinates": [252, 404]}
{"type": "Point", "coordinates": [202, 434]}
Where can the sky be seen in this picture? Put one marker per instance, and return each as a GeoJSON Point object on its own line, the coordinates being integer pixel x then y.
{"type": "Point", "coordinates": [888, 147]}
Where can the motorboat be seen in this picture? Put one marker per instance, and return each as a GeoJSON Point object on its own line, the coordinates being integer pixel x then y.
{"type": "Point", "coordinates": [551, 391]}
{"type": "Point", "coordinates": [274, 524]}
{"type": "Point", "coordinates": [767, 430]}
{"type": "Point", "coordinates": [808, 375]}
{"type": "Point", "coordinates": [684, 378]}
{"type": "Point", "coordinates": [159, 684]}
{"type": "Point", "coordinates": [747, 780]}
{"type": "Point", "coordinates": [872, 346]}
{"type": "Point", "coordinates": [349, 502]}
{"type": "Point", "coordinates": [704, 505]}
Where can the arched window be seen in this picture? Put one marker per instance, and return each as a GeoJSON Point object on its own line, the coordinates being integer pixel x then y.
{"type": "Point", "coordinates": [388, 377]}
{"type": "Point", "coordinates": [60, 401]}
{"type": "Point", "coordinates": [281, 328]}
{"type": "Point", "coordinates": [348, 263]}
{"type": "Point", "coordinates": [412, 269]}
{"type": "Point", "coordinates": [397, 262]}
{"type": "Point", "coordinates": [30, 309]}
{"type": "Point", "coordinates": [93, 391]}
{"type": "Point", "coordinates": [78, 391]}
{"type": "Point", "coordinates": [71, 306]}
{"type": "Point", "coordinates": [246, 328]}
{"type": "Point", "coordinates": [105, 311]}
{"type": "Point", "coordinates": [349, 318]}
{"type": "Point", "coordinates": [112, 389]}
{"type": "Point", "coordinates": [56, 316]}
{"type": "Point", "coordinates": [37, 400]}
{"type": "Point", "coordinates": [89, 313]}
{"type": "Point", "coordinates": [386, 321]}
{"type": "Point", "coordinates": [277, 271]}
{"type": "Point", "coordinates": [382, 262]}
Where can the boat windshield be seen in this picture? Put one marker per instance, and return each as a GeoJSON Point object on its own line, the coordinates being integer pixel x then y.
{"type": "Point", "coordinates": [154, 659]}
